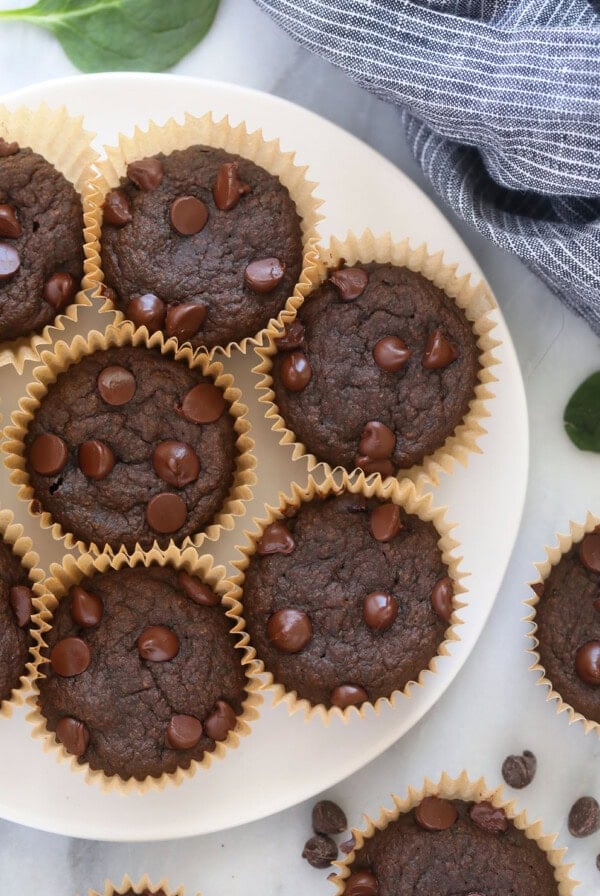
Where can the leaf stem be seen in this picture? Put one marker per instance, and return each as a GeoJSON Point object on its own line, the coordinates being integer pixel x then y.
{"type": "Point", "coordinates": [29, 14]}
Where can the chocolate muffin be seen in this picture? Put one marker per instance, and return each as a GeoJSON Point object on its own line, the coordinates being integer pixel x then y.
{"type": "Point", "coordinates": [568, 626]}
{"type": "Point", "coordinates": [41, 241]}
{"type": "Point", "coordinates": [339, 599]}
{"type": "Point", "coordinates": [201, 244]}
{"type": "Point", "coordinates": [130, 445]}
{"type": "Point", "coordinates": [378, 370]}
{"type": "Point", "coordinates": [15, 614]}
{"type": "Point", "coordinates": [143, 674]}
{"type": "Point", "coordinates": [450, 848]}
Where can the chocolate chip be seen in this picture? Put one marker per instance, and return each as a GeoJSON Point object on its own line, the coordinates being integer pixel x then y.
{"type": "Point", "coordinates": [368, 465]}
{"type": "Point", "coordinates": [158, 644]}
{"type": "Point", "coordinates": [73, 735]}
{"type": "Point", "coordinates": [70, 656]}
{"type": "Point", "coordinates": [176, 463]}
{"type": "Point", "coordinates": [220, 722]}
{"type": "Point", "coordinates": [166, 513]}
{"type": "Point", "coordinates": [435, 814]}
{"type": "Point", "coordinates": [361, 883]}
{"type": "Point", "coordinates": [348, 695]}
{"type": "Point", "coordinates": [385, 522]}
{"type": "Point", "coordinates": [184, 321]}
{"type": "Point", "coordinates": [264, 274]}
{"type": "Point", "coordinates": [188, 215]}
{"type": "Point", "coordinates": [10, 228]}
{"type": "Point", "coordinates": [320, 851]}
{"type": "Point", "coordinates": [59, 290]}
{"type": "Point", "coordinates": [350, 283]}
{"type": "Point", "coordinates": [9, 261]}
{"type": "Point", "coordinates": [197, 590]}
{"type": "Point", "coordinates": [589, 551]}
{"type": "Point", "coordinates": [8, 149]}
{"type": "Point", "coordinates": [328, 818]}
{"type": "Point", "coordinates": [107, 292]}
{"type": "Point", "coordinates": [19, 598]}
{"type": "Point", "coordinates": [488, 817]}
{"type": "Point", "coordinates": [228, 187]}
{"type": "Point", "coordinates": [584, 817]}
{"type": "Point", "coordinates": [147, 174]}
{"type": "Point", "coordinates": [48, 454]}
{"type": "Point", "coordinates": [117, 208]}
{"type": "Point", "coordinates": [391, 354]}
{"type": "Point", "coordinates": [295, 371]}
{"type": "Point", "coordinates": [87, 608]}
{"type": "Point", "coordinates": [293, 337]}
{"type": "Point", "coordinates": [587, 662]}
{"type": "Point", "coordinates": [598, 861]}
{"type": "Point", "coordinates": [538, 587]}
{"type": "Point", "coordinates": [289, 630]}
{"type": "Point", "coordinates": [438, 351]}
{"type": "Point", "coordinates": [347, 846]}
{"type": "Point", "coordinates": [183, 732]}
{"type": "Point", "coordinates": [442, 595]}
{"type": "Point", "coordinates": [95, 459]}
{"type": "Point", "coordinates": [377, 441]}
{"type": "Point", "coordinates": [380, 610]}
{"type": "Point", "coordinates": [519, 771]}
{"type": "Point", "coordinates": [116, 385]}
{"type": "Point", "coordinates": [203, 404]}
{"type": "Point", "coordinates": [147, 311]}
{"type": "Point", "coordinates": [276, 539]}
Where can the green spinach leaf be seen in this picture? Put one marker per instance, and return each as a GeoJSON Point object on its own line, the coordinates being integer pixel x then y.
{"type": "Point", "coordinates": [582, 414]}
{"type": "Point", "coordinates": [122, 35]}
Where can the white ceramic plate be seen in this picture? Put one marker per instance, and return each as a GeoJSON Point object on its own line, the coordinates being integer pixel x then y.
{"type": "Point", "coordinates": [284, 760]}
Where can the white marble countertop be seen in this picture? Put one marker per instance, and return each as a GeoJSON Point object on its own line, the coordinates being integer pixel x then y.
{"type": "Point", "coordinates": [556, 351]}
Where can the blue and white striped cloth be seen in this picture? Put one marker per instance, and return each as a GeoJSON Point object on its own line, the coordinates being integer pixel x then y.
{"type": "Point", "coordinates": [501, 104]}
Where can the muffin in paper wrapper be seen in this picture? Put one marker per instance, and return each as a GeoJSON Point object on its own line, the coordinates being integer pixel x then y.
{"type": "Point", "coordinates": [461, 788]}
{"type": "Point", "coordinates": [402, 493]}
{"type": "Point", "coordinates": [62, 357]}
{"type": "Point", "coordinates": [474, 299]}
{"type": "Point", "coordinates": [71, 572]}
{"type": "Point", "coordinates": [553, 555]}
{"type": "Point", "coordinates": [61, 139]}
{"type": "Point", "coordinates": [236, 140]}
{"type": "Point", "coordinates": [142, 887]}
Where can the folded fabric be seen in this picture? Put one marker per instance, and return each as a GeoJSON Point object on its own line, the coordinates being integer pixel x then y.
{"type": "Point", "coordinates": [501, 105]}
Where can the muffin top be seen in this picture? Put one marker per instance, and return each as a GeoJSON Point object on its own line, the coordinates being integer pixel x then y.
{"type": "Point", "coordinates": [15, 614]}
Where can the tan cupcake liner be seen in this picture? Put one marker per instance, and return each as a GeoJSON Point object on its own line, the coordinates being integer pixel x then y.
{"type": "Point", "coordinates": [72, 571]}
{"type": "Point", "coordinates": [461, 788]}
{"type": "Point", "coordinates": [143, 885]}
{"type": "Point", "coordinates": [63, 356]}
{"type": "Point", "coordinates": [403, 493]}
{"type": "Point", "coordinates": [477, 303]}
{"type": "Point", "coordinates": [251, 145]}
{"type": "Point", "coordinates": [62, 140]}
{"type": "Point", "coordinates": [553, 556]}
{"type": "Point", "coordinates": [12, 534]}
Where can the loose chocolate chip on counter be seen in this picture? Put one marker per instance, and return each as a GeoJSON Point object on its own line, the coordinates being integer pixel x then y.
{"type": "Point", "coordinates": [10, 228]}
{"type": "Point", "coordinates": [183, 732]}
{"type": "Point", "coordinates": [328, 818]}
{"type": "Point", "coordinates": [158, 644]}
{"type": "Point", "coordinates": [347, 846]}
{"type": "Point", "coordinates": [350, 282]}
{"type": "Point", "coordinates": [276, 539]}
{"type": "Point", "coordinates": [368, 465]}
{"type": "Point", "coordinates": [587, 662]}
{"type": "Point", "coordinates": [488, 817]}
{"type": "Point", "coordinates": [589, 551]}
{"type": "Point", "coordinates": [166, 513]}
{"type": "Point", "coordinates": [228, 188]}
{"type": "Point", "coordinates": [73, 735]}
{"type": "Point", "coordinates": [295, 371]}
{"type": "Point", "coordinates": [87, 608]}
{"type": "Point", "coordinates": [176, 463]}
{"type": "Point", "coordinates": [584, 817]}
{"type": "Point", "coordinates": [293, 337]}
{"type": "Point", "coordinates": [147, 311]}
{"type": "Point", "coordinates": [8, 149]}
{"type": "Point", "coordinates": [435, 814]}
{"type": "Point", "coordinates": [117, 208]}
{"type": "Point", "coordinates": [377, 441]}
{"type": "Point", "coordinates": [70, 656]}
{"type": "Point", "coordinates": [385, 522]}
{"type": "Point", "coordinates": [380, 610]}
{"type": "Point", "coordinates": [48, 454]}
{"type": "Point", "coordinates": [598, 861]}
{"type": "Point", "coordinates": [116, 385]}
{"type": "Point", "coordinates": [220, 722]}
{"type": "Point", "coordinates": [289, 630]}
{"type": "Point", "coordinates": [264, 274]}
{"type": "Point", "coordinates": [438, 351]}
{"type": "Point", "coordinates": [147, 174]}
{"type": "Point", "coordinates": [184, 321]}
{"type": "Point", "coordinates": [197, 591]}
{"type": "Point", "coordinates": [203, 404]}
{"type": "Point", "coordinates": [348, 695]}
{"type": "Point", "coordinates": [95, 459]}
{"type": "Point", "coordinates": [441, 598]}
{"type": "Point", "coordinates": [320, 851]}
{"type": "Point", "coordinates": [188, 215]}
{"type": "Point", "coordinates": [9, 261]}
{"type": "Point", "coordinates": [519, 771]}
{"type": "Point", "coordinates": [19, 598]}
{"type": "Point", "coordinates": [59, 290]}
{"type": "Point", "coordinates": [361, 883]}
{"type": "Point", "coordinates": [391, 354]}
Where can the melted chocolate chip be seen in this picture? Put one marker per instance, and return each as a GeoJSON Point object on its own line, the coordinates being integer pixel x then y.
{"type": "Point", "coordinates": [86, 608]}
{"type": "Point", "coordinates": [147, 311]}
{"type": "Point", "coordinates": [228, 188]}
{"type": "Point", "coordinates": [320, 851]}
{"type": "Point", "coordinates": [435, 814]}
{"type": "Point", "coordinates": [59, 290]}
{"type": "Point", "coordinates": [488, 817]}
{"type": "Point", "coordinates": [203, 404]}
{"type": "Point", "coordinates": [368, 465]}
{"type": "Point", "coordinates": [48, 454]}
{"type": "Point", "coordinates": [519, 771]}
{"type": "Point", "coordinates": [116, 385]}
{"type": "Point", "coordinates": [188, 215]}
{"type": "Point", "coordinates": [587, 662]}
{"type": "Point", "coordinates": [107, 292]}
{"type": "Point", "coordinates": [9, 261]}
{"type": "Point", "coordinates": [348, 695]}
{"type": "Point", "coordinates": [73, 735]}
{"type": "Point", "coordinates": [117, 208]}
{"type": "Point", "coordinates": [361, 883]}
{"type": "Point", "coordinates": [347, 846]}
{"type": "Point", "coordinates": [584, 817]}
{"type": "Point", "coordinates": [183, 732]}
{"type": "Point", "coordinates": [8, 149]}
{"type": "Point", "coordinates": [391, 354]}
{"type": "Point", "coordinates": [197, 591]}
{"type": "Point", "coordinates": [589, 551]}
{"type": "Point", "coordinates": [166, 513]}
{"type": "Point", "coordinates": [70, 656]}
{"type": "Point", "coordinates": [264, 274]}
{"type": "Point", "coordinates": [10, 228]}
{"type": "Point", "coordinates": [184, 321]}
{"type": "Point", "coordinates": [20, 600]}
{"type": "Point", "coordinates": [385, 522]}
{"type": "Point", "coordinates": [293, 337]}
{"type": "Point", "coordinates": [377, 441]}
{"type": "Point", "coordinates": [438, 351]}
{"type": "Point", "coordinates": [95, 459]}
{"type": "Point", "coordinates": [538, 587]}
{"type": "Point", "coordinates": [295, 371]}
{"type": "Point", "coordinates": [220, 722]}
{"type": "Point", "coordinates": [289, 630]}
{"type": "Point", "coordinates": [328, 818]}
{"type": "Point", "coordinates": [350, 282]}
{"type": "Point", "coordinates": [176, 463]}
{"type": "Point", "coordinates": [380, 610]}
{"type": "Point", "coordinates": [147, 174]}
{"type": "Point", "coordinates": [276, 539]}
{"type": "Point", "coordinates": [442, 595]}
{"type": "Point", "coordinates": [158, 644]}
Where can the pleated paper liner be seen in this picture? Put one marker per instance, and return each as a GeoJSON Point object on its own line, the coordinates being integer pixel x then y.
{"type": "Point", "coordinates": [236, 140]}
{"type": "Point", "coordinates": [461, 788]}
{"type": "Point", "coordinates": [402, 493]}
{"type": "Point", "coordinates": [11, 534]}
{"type": "Point", "coordinates": [71, 572]}
{"type": "Point", "coordinates": [62, 141]}
{"type": "Point", "coordinates": [474, 299]}
{"type": "Point", "coordinates": [62, 357]}
{"type": "Point", "coordinates": [553, 555]}
{"type": "Point", "coordinates": [143, 887]}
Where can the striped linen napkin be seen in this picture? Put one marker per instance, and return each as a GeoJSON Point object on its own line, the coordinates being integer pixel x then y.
{"type": "Point", "coordinates": [501, 104]}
